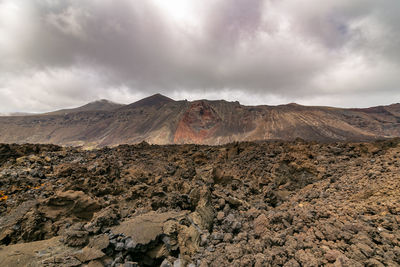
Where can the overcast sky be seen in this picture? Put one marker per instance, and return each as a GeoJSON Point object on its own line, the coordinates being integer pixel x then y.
{"type": "Point", "coordinates": [64, 53]}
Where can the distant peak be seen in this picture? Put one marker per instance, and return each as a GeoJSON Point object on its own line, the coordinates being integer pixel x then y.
{"type": "Point", "coordinates": [97, 105]}
{"type": "Point", "coordinates": [159, 97]}
{"type": "Point", "coordinates": [158, 94]}
{"type": "Point", "coordinates": [153, 100]}
{"type": "Point", "coordinates": [103, 101]}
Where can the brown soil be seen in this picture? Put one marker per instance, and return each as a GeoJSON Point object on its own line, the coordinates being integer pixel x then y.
{"type": "Point", "coordinates": [242, 204]}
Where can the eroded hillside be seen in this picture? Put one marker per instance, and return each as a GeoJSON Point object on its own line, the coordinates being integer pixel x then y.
{"type": "Point", "coordinates": [160, 120]}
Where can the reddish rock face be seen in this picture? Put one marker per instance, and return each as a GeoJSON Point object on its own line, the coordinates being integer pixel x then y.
{"type": "Point", "coordinates": [197, 124]}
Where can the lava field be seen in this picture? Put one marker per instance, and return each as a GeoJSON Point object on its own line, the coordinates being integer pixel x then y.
{"type": "Point", "coordinates": [242, 204]}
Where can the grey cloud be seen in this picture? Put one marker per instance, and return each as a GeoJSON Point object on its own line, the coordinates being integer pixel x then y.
{"type": "Point", "coordinates": [66, 52]}
{"type": "Point", "coordinates": [232, 21]}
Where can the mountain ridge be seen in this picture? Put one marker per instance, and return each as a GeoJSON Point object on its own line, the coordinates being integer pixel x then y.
{"type": "Point", "coordinates": [97, 105]}
{"type": "Point", "coordinates": [153, 100]}
{"type": "Point", "coordinates": [158, 119]}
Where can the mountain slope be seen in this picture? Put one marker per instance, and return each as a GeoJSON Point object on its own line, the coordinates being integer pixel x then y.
{"type": "Point", "coordinates": [99, 105]}
{"type": "Point", "coordinates": [161, 120]}
{"type": "Point", "coordinates": [151, 101]}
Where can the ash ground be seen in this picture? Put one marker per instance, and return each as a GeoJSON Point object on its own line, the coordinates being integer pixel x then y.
{"type": "Point", "coordinates": [243, 204]}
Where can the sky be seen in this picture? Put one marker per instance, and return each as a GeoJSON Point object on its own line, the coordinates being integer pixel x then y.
{"type": "Point", "coordinates": [65, 53]}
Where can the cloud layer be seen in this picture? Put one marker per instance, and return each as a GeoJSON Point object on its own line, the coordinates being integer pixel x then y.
{"type": "Point", "coordinates": [61, 53]}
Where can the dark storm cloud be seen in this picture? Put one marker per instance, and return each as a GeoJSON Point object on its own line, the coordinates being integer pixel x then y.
{"type": "Point", "coordinates": [58, 53]}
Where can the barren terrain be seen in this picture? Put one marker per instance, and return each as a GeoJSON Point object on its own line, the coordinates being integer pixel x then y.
{"type": "Point", "coordinates": [160, 120]}
{"type": "Point", "coordinates": [242, 204]}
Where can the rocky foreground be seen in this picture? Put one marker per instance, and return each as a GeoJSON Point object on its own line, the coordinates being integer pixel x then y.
{"type": "Point", "coordinates": [242, 204]}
